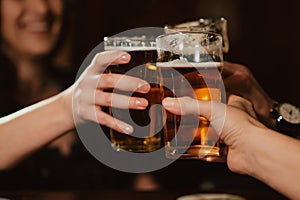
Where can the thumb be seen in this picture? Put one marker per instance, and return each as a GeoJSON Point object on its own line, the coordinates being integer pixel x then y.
{"type": "Point", "coordinates": [102, 60]}
{"type": "Point", "coordinates": [214, 111]}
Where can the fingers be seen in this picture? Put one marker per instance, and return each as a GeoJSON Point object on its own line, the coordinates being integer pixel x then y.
{"type": "Point", "coordinates": [188, 106]}
{"type": "Point", "coordinates": [123, 82]}
{"type": "Point", "coordinates": [227, 70]}
{"type": "Point", "coordinates": [239, 80]}
{"type": "Point", "coordinates": [234, 74]}
{"type": "Point", "coordinates": [120, 101]}
{"type": "Point", "coordinates": [181, 106]}
{"type": "Point", "coordinates": [214, 111]}
{"type": "Point", "coordinates": [104, 59]}
{"type": "Point", "coordinates": [234, 69]}
{"type": "Point", "coordinates": [111, 122]}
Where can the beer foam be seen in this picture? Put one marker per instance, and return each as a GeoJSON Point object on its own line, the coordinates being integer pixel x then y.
{"type": "Point", "coordinates": [125, 48]}
{"type": "Point", "coordinates": [183, 63]}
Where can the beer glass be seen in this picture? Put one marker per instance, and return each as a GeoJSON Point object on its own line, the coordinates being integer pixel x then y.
{"type": "Point", "coordinates": [190, 64]}
{"type": "Point", "coordinates": [216, 25]}
{"type": "Point", "coordinates": [148, 123]}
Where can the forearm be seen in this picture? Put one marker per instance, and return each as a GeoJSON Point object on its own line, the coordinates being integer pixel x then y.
{"type": "Point", "coordinates": [31, 128]}
{"type": "Point", "coordinates": [274, 159]}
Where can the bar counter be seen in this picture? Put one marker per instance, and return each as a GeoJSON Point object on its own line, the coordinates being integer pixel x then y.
{"type": "Point", "coordinates": [131, 195]}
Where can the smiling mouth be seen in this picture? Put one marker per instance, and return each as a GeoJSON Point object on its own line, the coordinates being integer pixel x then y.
{"type": "Point", "coordinates": [38, 27]}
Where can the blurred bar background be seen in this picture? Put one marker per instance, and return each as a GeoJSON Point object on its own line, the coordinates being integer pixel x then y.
{"type": "Point", "coordinates": [263, 35]}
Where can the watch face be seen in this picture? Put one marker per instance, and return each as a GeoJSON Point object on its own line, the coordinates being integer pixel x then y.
{"type": "Point", "coordinates": [289, 113]}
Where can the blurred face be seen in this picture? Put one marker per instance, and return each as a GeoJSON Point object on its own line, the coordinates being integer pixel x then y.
{"type": "Point", "coordinates": [30, 27]}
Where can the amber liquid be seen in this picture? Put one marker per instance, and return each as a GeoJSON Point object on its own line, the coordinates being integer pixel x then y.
{"type": "Point", "coordinates": [148, 123]}
{"type": "Point", "coordinates": [191, 136]}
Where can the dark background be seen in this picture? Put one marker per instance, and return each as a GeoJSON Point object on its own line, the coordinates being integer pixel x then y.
{"type": "Point", "coordinates": [263, 34]}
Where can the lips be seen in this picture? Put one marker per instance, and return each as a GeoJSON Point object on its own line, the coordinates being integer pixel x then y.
{"type": "Point", "coordinates": [37, 26]}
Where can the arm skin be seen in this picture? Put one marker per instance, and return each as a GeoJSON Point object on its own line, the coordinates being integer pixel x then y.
{"type": "Point", "coordinates": [254, 149]}
{"type": "Point", "coordinates": [31, 128]}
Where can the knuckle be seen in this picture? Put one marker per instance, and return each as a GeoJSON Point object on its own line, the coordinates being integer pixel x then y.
{"type": "Point", "coordinates": [108, 80]}
{"type": "Point", "coordinates": [97, 59]}
{"type": "Point", "coordinates": [102, 119]}
{"type": "Point", "coordinates": [83, 113]}
{"type": "Point", "coordinates": [243, 71]}
{"type": "Point", "coordinates": [244, 75]}
{"type": "Point", "coordinates": [107, 99]}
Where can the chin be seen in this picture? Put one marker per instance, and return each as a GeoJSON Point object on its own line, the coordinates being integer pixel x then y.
{"type": "Point", "coordinates": [41, 47]}
{"type": "Point", "coordinates": [40, 50]}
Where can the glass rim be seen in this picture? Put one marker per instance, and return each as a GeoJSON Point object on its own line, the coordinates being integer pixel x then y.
{"type": "Point", "coordinates": [189, 32]}
{"type": "Point", "coordinates": [200, 23]}
{"type": "Point", "coordinates": [129, 38]}
{"type": "Point", "coordinates": [129, 43]}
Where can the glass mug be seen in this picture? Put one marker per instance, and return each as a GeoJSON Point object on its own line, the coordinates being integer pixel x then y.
{"type": "Point", "coordinates": [148, 123]}
{"type": "Point", "coordinates": [190, 64]}
{"type": "Point", "coordinates": [216, 25]}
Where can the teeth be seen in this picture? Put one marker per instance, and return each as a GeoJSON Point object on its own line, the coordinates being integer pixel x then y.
{"type": "Point", "coordinates": [41, 26]}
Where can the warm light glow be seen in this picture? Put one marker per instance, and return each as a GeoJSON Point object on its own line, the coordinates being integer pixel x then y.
{"type": "Point", "coordinates": [208, 94]}
{"type": "Point", "coordinates": [151, 67]}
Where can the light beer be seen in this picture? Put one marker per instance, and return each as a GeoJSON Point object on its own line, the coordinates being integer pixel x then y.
{"type": "Point", "coordinates": [191, 136]}
{"type": "Point", "coordinates": [147, 124]}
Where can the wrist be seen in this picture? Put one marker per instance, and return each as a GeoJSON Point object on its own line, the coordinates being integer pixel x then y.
{"type": "Point", "coordinates": [255, 152]}
{"type": "Point", "coordinates": [64, 109]}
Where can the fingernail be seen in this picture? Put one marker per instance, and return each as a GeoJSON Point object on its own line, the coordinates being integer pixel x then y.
{"type": "Point", "coordinates": [168, 102]}
{"type": "Point", "coordinates": [124, 57]}
{"type": "Point", "coordinates": [141, 103]}
{"type": "Point", "coordinates": [143, 87]}
{"type": "Point", "coordinates": [126, 128]}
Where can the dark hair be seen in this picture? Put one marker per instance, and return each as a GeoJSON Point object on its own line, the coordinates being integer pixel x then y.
{"type": "Point", "coordinates": [65, 25]}
{"type": "Point", "coordinates": [8, 73]}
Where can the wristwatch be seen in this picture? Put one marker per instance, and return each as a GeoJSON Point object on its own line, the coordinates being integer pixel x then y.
{"type": "Point", "coordinates": [287, 118]}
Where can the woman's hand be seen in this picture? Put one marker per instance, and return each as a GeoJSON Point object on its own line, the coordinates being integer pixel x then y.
{"type": "Point", "coordinates": [90, 92]}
